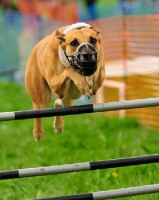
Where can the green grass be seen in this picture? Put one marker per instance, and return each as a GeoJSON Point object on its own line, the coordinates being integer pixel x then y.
{"type": "Point", "coordinates": [87, 137]}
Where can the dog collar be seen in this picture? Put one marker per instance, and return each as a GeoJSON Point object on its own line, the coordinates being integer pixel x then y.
{"type": "Point", "coordinates": [62, 55]}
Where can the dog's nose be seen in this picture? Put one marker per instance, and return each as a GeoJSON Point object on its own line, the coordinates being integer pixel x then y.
{"type": "Point", "coordinates": [87, 56]}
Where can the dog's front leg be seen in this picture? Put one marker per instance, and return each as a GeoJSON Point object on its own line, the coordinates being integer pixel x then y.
{"type": "Point", "coordinates": [58, 82]}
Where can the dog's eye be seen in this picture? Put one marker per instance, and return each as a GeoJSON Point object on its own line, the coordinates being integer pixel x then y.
{"type": "Point", "coordinates": [93, 40]}
{"type": "Point", "coordinates": [74, 43]}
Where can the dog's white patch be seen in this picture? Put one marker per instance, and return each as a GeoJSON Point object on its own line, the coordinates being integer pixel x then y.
{"type": "Point", "coordinates": [58, 103]}
{"type": "Point", "coordinates": [62, 55]}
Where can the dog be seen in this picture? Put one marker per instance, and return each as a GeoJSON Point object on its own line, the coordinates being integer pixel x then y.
{"type": "Point", "coordinates": [69, 63]}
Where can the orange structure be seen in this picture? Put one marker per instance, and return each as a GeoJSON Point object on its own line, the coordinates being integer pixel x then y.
{"type": "Point", "coordinates": [131, 45]}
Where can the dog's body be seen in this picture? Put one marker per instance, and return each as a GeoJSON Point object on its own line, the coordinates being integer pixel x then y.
{"type": "Point", "coordinates": [46, 73]}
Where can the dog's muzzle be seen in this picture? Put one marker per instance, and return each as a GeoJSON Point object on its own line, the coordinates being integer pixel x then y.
{"type": "Point", "coordinates": [85, 62]}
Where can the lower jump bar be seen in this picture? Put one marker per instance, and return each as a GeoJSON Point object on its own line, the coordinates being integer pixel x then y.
{"type": "Point", "coordinates": [110, 194]}
{"type": "Point", "coordinates": [86, 166]}
{"type": "Point", "coordinates": [89, 108]}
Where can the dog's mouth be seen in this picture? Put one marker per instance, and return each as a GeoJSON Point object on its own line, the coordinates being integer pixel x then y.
{"type": "Point", "coordinates": [85, 62]}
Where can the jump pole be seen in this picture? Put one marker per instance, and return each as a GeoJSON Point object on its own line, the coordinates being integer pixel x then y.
{"type": "Point", "coordinates": [86, 166]}
{"type": "Point", "coordinates": [110, 194]}
{"type": "Point", "coordinates": [89, 108]}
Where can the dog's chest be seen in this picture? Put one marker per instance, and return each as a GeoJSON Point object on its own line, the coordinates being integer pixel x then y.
{"type": "Point", "coordinates": [73, 92]}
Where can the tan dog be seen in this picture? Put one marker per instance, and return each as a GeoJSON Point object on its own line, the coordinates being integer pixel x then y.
{"type": "Point", "coordinates": [48, 70]}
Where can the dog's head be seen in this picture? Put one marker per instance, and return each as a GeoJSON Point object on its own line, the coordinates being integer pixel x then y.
{"type": "Point", "coordinates": [81, 47]}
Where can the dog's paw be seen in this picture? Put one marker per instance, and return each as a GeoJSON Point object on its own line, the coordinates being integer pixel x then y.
{"type": "Point", "coordinates": [58, 129]}
{"type": "Point", "coordinates": [38, 134]}
{"type": "Point", "coordinates": [84, 87]}
{"type": "Point", "coordinates": [88, 93]}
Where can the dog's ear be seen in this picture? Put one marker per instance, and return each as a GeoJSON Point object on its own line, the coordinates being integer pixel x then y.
{"type": "Point", "coordinates": [60, 36]}
{"type": "Point", "coordinates": [96, 30]}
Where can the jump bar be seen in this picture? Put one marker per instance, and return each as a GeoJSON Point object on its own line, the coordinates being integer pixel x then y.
{"type": "Point", "coordinates": [72, 110]}
{"type": "Point", "coordinates": [110, 194]}
{"type": "Point", "coordinates": [86, 166]}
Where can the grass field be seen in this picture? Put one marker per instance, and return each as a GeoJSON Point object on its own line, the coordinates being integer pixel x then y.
{"type": "Point", "coordinates": [87, 137]}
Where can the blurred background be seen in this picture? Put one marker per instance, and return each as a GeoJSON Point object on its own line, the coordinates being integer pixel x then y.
{"type": "Point", "coordinates": [129, 29]}
{"type": "Point", "coordinates": [130, 33]}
